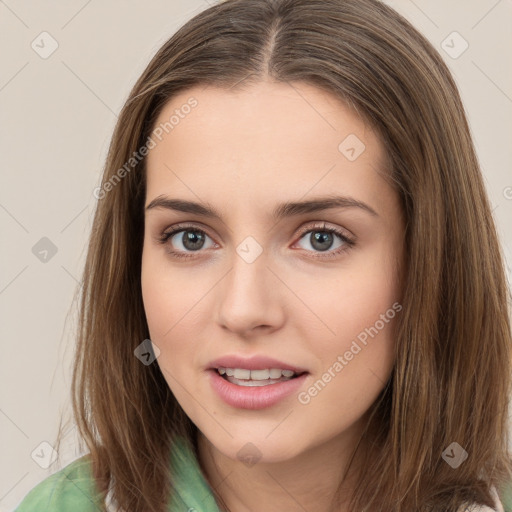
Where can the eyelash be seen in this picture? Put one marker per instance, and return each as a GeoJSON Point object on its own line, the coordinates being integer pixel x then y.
{"type": "Point", "coordinates": [348, 242]}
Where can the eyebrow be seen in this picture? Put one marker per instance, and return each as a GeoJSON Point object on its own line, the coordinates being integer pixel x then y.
{"type": "Point", "coordinates": [287, 209]}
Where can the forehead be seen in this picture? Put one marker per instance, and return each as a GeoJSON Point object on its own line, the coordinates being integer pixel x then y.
{"type": "Point", "coordinates": [261, 141]}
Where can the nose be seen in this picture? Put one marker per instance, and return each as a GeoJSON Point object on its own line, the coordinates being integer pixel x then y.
{"type": "Point", "coordinates": [250, 298]}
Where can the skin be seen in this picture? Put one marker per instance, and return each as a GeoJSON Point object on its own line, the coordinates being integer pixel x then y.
{"type": "Point", "coordinates": [243, 153]}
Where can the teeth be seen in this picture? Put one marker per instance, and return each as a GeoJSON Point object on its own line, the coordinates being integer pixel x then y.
{"type": "Point", "coordinates": [255, 375]}
{"type": "Point", "coordinates": [242, 374]}
{"type": "Point", "coordinates": [261, 375]}
{"type": "Point", "coordinates": [256, 383]}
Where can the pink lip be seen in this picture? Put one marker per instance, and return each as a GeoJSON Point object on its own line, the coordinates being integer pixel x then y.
{"type": "Point", "coordinates": [252, 363]}
{"type": "Point", "coordinates": [254, 397]}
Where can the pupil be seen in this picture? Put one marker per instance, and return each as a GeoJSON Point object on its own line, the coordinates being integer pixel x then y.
{"type": "Point", "coordinates": [321, 237]}
{"type": "Point", "coordinates": [193, 240]}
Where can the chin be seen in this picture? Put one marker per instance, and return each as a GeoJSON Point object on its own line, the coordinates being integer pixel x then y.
{"type": "Point", "coordinates": [250, 450]}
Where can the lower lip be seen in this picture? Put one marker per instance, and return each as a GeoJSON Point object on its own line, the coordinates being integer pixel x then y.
{"type": "Point", "coordinates": [254, 397]}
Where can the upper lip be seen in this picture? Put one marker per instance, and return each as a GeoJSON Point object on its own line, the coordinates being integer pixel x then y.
{"type": "Point", "coordinates": [253, 363]}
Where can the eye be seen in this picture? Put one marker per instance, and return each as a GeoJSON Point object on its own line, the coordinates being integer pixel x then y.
{"type": "Point", "coordinates": [185, 239]}
{"type": "Point", "coordinates": [322, 239]}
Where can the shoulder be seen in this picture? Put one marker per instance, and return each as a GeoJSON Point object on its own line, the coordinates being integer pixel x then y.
{"type": "Point", "coordinates": [71, 488]}
{"type": "Point", "coordinates": [498, 505]}
{"type": "Point", "coordinates": [192, 491]}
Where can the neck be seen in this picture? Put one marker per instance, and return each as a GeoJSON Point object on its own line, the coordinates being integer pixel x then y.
{"type": "Point", "coordinates": [308, 481]}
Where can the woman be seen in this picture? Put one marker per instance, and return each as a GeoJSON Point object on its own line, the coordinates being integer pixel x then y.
{"type": "Point", "coordinates": [294, 296]}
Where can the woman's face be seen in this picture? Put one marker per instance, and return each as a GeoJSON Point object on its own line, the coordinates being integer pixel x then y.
{"type": "Point", "coordinates": [286, 257]}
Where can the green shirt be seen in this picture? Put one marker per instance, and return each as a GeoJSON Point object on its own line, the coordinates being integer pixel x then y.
{"type": "Point", "coordinates": [73, 487]}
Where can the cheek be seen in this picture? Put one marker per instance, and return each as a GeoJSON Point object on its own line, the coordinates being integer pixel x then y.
{"type": "Point", "coordinates": [358, 312]}
{"type": "Point", "coordinates": [355, 299]}
{"type": "Point", "coordinates": [353, 364]}
{"type": "Point", "coordinates": [166, 314]}
{"type": "Point", "coordinates": [170, 297]}
{"type": "Point", "coordinates": [175, 304]}
{"type": "Point", "coordinates": [156, 296]}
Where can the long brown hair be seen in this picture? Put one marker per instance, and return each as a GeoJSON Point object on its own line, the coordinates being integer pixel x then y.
{"type": "Point", "coordinates": [452, 377]}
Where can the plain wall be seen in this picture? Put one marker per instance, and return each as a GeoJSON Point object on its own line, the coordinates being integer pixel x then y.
{"type": "Point", "coordinates": [57, 116]}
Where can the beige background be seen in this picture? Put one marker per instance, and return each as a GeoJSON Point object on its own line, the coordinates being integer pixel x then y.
{"type": "Point", "coordinates": [57, 117]}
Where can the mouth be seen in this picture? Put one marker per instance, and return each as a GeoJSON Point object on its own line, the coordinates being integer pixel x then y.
{"type": "Point", "coordinates": [263, 385]}
{"type": "Point", "coordinates": [257, 378]}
